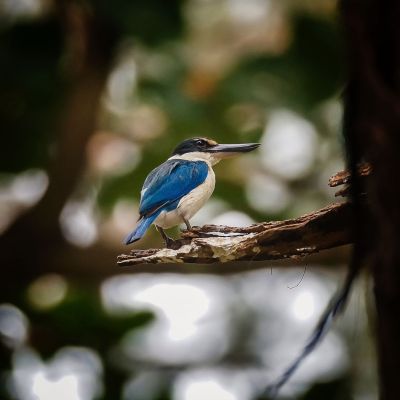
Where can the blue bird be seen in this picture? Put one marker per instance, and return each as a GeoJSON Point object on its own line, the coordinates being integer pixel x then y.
{"type": "Point", "coordinates": [174, 191]}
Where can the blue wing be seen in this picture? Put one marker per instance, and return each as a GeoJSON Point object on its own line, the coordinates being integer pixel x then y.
{"type": "Point", "coordinates": [169, 182]}
{"type": "Point", "coordinates": [163, 189]}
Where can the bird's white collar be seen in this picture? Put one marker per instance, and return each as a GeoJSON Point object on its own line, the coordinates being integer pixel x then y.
{"type": "Point", "coordinates": [209, 158]}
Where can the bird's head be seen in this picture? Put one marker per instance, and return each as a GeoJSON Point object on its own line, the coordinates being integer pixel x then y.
{"type": "Point", "coordinates": [209, 150]}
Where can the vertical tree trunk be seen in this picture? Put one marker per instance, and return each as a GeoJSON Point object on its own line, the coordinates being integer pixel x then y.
{"type": "Point", "coordinates": [88, 51]}
{"type": "Point", "coordinates": [372, 33]}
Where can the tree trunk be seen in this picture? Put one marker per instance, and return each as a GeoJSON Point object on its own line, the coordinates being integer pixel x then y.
{"type": "Point", "coordinates": [372, 110]}
{"type": "Point", "coordinates": [36, 235]}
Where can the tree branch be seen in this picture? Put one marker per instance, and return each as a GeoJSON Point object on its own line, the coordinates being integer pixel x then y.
{"type": "Point", "coordinates": [294, 238]}
{"type": "Point", "coordinates": [277, 240]}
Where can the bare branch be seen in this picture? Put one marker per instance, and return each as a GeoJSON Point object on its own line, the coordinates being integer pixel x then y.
{"type": "Point", "coordinates": [294, 238]}
{"type": "Point", "coordinates": [344, 178]}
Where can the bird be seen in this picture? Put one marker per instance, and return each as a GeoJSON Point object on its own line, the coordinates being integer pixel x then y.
{"type": "Point", "coordinates": [175, 191]}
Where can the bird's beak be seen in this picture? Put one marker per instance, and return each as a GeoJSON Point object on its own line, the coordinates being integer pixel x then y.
{"type": "Point", "coordinates": [226, 150]}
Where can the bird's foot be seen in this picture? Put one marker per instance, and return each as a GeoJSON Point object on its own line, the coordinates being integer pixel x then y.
{"type": "Point", "coordinates": [188, 226]}
{"type": "Point", "coordinates": [169, 242]}
{"type": "Point", "coordinates": [172, 244]}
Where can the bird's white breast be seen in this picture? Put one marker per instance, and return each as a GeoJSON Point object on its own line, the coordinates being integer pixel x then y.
{"type": "Point", "coordinates": [189, 204]}
{"type": "Point", "coordinates": [192, 202]}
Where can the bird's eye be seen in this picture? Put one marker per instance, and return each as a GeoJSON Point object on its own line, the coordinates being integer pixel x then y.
{"type": "Point", "coordinates": [201, 142]}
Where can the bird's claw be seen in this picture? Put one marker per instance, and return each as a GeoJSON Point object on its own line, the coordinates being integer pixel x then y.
{"type": "Point", "coordinates": [172, 244]}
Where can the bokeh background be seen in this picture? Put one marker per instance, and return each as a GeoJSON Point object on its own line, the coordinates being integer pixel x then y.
{"type": "Point", "coordinates": [93, 95]}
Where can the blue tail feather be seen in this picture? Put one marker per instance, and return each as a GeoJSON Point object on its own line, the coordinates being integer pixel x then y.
{"type": "Point", "coordinates": [141, 228]}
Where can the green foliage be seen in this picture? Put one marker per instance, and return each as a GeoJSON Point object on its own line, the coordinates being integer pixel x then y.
{"type": "Point", "coordinates": [308, 73]}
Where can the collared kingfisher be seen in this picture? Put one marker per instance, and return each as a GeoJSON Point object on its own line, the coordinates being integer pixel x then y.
{"type": "Point", "coordinates": [174, 191]}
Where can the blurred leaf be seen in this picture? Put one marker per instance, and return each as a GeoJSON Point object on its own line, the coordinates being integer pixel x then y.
{"type": "Point", "coordinates": [309, 72]}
